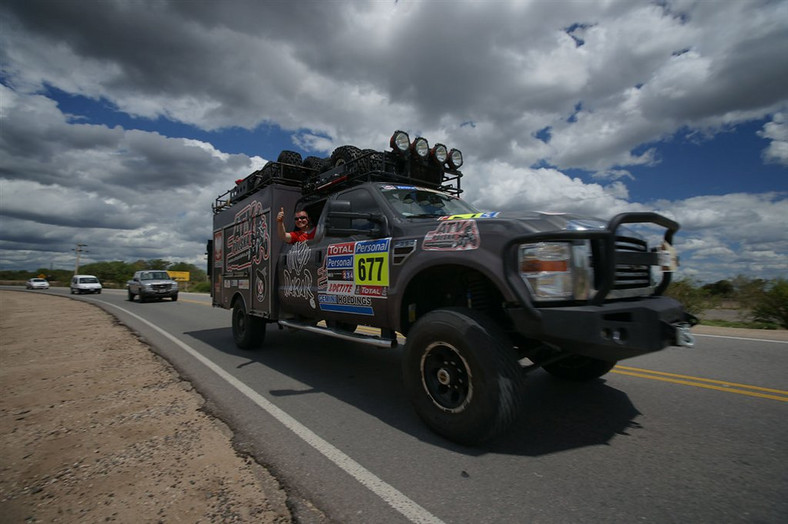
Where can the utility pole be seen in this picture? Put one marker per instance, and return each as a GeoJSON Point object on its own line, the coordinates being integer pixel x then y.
{"type": "Point", "coordinates": [79, 250]}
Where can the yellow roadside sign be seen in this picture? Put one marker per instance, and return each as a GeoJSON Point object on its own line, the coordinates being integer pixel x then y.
{"type": "Point", "coordinates": [179, 276]}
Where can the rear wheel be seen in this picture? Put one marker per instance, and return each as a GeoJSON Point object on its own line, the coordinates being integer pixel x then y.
{"type": "Point", "coordinates": [462, 375]}
{"type": "Point", "coordinates": [579, 368]}
{"type": "Point", "coordinates": [248, 331]}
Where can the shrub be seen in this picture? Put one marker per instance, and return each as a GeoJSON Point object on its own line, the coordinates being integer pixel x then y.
{"type": "Point", "coordinates": [772, 306]}
{"type": "Point", "coordinates": [694, 299]}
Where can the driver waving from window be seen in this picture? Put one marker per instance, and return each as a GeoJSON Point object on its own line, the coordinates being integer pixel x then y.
{"type": "Point", "coordinates": [301, 233]}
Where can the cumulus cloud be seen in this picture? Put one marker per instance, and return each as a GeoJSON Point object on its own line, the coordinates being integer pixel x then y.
{"type": "Point", "coordinates": [777, 132]}
{"type": "Point", "coordinates": [530, 90]}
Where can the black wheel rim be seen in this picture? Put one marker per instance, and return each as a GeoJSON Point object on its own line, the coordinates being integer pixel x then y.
{"type": "Point", "coordinates": [446, 377]}
{"type": "Point", "coordinates": [240, 321]}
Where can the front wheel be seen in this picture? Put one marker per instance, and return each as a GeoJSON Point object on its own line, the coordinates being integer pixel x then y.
{"type": "Point", "coordinates": [462, 375]}
{"type": "Point", "coordinates": [131, 296]}
{"type": "Point", "coordinates": [248, 331]}
{"type": "Point", "coordinates": [579, 368]}
{"type": "Point", "coordinates": [175, 297]}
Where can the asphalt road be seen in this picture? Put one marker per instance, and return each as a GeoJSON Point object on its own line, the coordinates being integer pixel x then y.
{"type": "Point", "coordinates": [684, 435]}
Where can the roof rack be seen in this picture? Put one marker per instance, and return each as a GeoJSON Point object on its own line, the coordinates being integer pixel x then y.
{"type": "Point", "coordinates": [412, 163]}
{"type": "Point", "coordinates": [375, 166]}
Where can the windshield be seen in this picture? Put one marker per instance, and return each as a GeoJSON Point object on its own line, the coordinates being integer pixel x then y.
{"type": "Point", "coordinates": [155, 275]}
{"type": "Point", "coordinates": [414, 202]}
{"type": "Point", "coordinates": [88, 280]}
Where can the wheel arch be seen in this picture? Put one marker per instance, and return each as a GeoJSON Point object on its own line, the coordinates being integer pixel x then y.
{"type": "Point", "coordinates": [449, 285]}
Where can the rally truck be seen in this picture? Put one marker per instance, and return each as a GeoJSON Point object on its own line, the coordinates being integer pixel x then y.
{"type": "Point", "coordinates": [480, 298]}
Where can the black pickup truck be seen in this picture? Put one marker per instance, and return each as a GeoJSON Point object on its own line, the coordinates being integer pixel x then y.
{"type": "Point", "coordinates": [482, 298]}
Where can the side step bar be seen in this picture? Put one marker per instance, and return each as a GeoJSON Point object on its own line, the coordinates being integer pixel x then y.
{"type": "Point", "coordinates": [370, 340]}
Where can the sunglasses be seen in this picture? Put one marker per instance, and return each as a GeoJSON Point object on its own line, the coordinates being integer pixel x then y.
{"type": "Point", "coordinates": [302, 218]}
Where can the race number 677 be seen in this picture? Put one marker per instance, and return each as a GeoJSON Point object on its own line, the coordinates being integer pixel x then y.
{"type": "Point", "coordinates": [372, 270]}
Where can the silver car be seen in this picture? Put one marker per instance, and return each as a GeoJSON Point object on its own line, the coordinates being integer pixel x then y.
{"type": "Point", "coordinates": [37, 283]}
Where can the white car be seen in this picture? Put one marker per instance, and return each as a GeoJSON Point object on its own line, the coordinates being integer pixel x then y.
{"type": "Point", "coordinates": [37, 283]}
{"type": "Point", "coordinates": [85, 284]}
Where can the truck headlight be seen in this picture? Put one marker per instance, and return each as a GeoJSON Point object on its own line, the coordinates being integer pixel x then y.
{"type": "Point", "coordinates": [556, 270]}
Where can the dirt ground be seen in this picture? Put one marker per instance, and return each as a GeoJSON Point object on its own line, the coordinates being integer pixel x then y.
{"type": "Point", "coordinates": [94, 427]}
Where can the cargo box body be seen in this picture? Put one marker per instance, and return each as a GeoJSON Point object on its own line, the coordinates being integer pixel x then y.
{"type": "Point", "coordinates": [245, 248]}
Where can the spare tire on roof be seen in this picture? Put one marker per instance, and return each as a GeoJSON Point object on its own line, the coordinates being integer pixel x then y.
{"type": "Point", "coordinates": [292, 169]}
{"type": "Point", "coordinates": [344, 154]}
{"type": "Point", "coordinates": [316, 163]}
{"type": "Point", "coordinates": [289, 157]}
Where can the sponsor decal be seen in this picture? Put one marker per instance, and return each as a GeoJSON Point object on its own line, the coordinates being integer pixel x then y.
{"type": "Point", "coordinates": [346, 248]}
{"type": "Point", "coordinates": [453, 235]}
{"type": "Point", "coordinates": [297, 278]}
{"type": "Point", "coordinates": [346, 304]}
{"type": "Point", "coordinates": [372, 291]}
{"type": "Point", "coordinates": [371, 262]}
{"type": "Point", "coordinates": [248, 239]}
{"type": "Point", "coordinates": [340, 288]}
{"type": "Point", "coordinates": [467, 216]}
{"type": "Point", "coordinates": [261, 288]}
{"type": "Point", "coordinates": [353, 274]}
{"type": "Point", "coordinates": [339, 262]}
{"type": "Point", "coordinates": [218, 249]}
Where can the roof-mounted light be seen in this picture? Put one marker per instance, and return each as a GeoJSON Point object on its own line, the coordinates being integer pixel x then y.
{"type": "Point", "coordinates": [439, 153]}
{"type": "Point", "coordinates": [400, 141]}
{"type": "Point", "coordinates": [421, 147]}
{"type": "Point", "coordinates": [455, 159]}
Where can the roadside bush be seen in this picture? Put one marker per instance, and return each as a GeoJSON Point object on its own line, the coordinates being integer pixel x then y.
{"type": "Point", "coordinates": [695, 299]}
{"type": "Point", "coordinates": [772, 306]}
{"type": "Point", "coordinates": [201, 287]}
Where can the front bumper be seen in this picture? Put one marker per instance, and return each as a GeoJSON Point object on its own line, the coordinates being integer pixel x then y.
{"type": "Point", "coordinates": [610, 331]}
{"type": "Point", "coordinates": [165, 293]}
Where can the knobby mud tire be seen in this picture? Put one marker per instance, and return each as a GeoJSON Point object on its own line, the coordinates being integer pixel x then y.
{"type": "Point", "coordinates": [462, 375]}
{"type": "Point", "coordinates": [344, 154]}
{"type": "Point", "coordinates": [248, 331]}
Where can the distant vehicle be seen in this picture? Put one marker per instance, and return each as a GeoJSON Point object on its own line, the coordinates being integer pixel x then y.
{"type": "Point", "coordinates": [85, 284]}
{"type": "Point", "coordinates": [37, 283]}
{"type": "Point", "coordinates": [152, 284]}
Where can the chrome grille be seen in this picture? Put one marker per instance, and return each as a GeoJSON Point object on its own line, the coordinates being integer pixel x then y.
{"type": "Point", "coordinates": [631, 276]}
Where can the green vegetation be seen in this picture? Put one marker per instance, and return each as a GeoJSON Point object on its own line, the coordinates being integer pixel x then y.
{"type": "Point", "coordinates": [763, 303]}
{"type": "Point", "coordinates": [773, 305]}
{"type": "Point", "coordinates": [113, 274]}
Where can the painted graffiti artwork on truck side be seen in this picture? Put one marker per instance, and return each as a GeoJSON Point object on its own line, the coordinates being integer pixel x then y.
{"type": "Point", "coordinates": [482, 298]}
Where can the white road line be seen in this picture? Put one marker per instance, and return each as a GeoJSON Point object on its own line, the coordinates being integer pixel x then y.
{"type": "Point", "coordinates": [393, 497]}
{"type": "Point", "coordinates": [743, 338]}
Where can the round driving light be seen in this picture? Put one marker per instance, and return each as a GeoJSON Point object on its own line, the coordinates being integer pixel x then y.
{"type": "Point", "coordinates": [455, 158]}
{"type": "Point", "coordinates": [400, 140]}
{"type": "Point", "coordinates": [421, 147]}
{"type": "Point", "coordinates": [440, 153]}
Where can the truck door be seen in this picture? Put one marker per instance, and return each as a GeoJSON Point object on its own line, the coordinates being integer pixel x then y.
{"type": "Point", "coordinates": [353, 276]}
{"type": "Point", "coordinates": [338, 278]}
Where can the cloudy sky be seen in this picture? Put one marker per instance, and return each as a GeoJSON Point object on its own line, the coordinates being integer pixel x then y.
{"type": "Point", "coordinates": [122, 121]}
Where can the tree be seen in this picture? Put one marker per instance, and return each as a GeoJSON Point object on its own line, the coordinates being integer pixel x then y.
{"type": "Point", "coordinates": [721, 288]}
{"type": "Point", "coordinates": [694, 299]}
{"type": "Point", "coordinates": [748, 291]}
{"type": "Point", "coordinates": [773, 304]}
